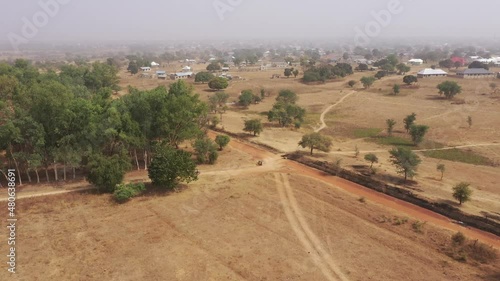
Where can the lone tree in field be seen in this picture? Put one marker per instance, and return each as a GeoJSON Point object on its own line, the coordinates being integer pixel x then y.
{"type": "Point", "coordinates": [405, 160]}
{"type": "Point", "coordinates": [372, 158]}
{"type": "Point", "coordinates": [449, 89]}
{"type": "Point", "coordinates": [410, 79]}
{"type": "Point", "coordinates": [222, 141]}
{"type": "Point", "coordinates": [214, 66]}
{"type": "Point", "coordinates": [247, 98]}
{"type": "Point", "coordinates": [253, 126]}
{"type": "Point", "coordinates": [441, 168]}
{"type": "Point", "coordinates": [171, 166]}
{"type": "Point", "coordinates": [367, 81]}
{"type": "Point", "coordinates": [351, 83]}
{"type": "Point", "coordinates": [402, 68]}
{"type": "Point", "coordinates": [469, 121]}
{"type": "Point", "coordinates": [288, 72]}
{"type": "Point", "coordinates": [218, 83]}
{"type": "Point", "coordinates": [316, 141]}
{"type": "Point", "coordinates": [417, 133]}
{"type": "Point", "coordinates": [493, 87]}
{"type": "Point", "coordinates": [203, 77]}
{"type": "Point", "coordinates": [287, 96]}
{"type": "Point", "coordinates": [409, 121]}
{"type": "Point", "coordinates": [396, 89]}
{"type": "Point", "coordinates": [462, 192]}
{"type": "Point", "coordinates": [390, 126]}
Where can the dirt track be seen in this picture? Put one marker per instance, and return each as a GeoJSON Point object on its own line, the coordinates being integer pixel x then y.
{"type": "Point", "coordinates": [372, 196]}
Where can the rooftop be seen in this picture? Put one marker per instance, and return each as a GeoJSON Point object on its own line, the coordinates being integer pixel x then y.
{"type": "Point", "coordinates": [475, 71]}
{"type": "Point", "coordinates": [430, 71]}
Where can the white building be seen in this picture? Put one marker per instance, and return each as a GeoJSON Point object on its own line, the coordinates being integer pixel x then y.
{"type": "Point", "coordinates": [429, 72]}
{"type": "Point", "coordinates": [181, 75]}
{"type": "Point", "coordinates": [416, 61]}
{"type": "Point", "coordinates": [146, 69]}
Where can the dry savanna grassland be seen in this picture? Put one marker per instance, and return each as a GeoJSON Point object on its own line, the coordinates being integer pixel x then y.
{"type": "Point", "coordinates": [281, 221]}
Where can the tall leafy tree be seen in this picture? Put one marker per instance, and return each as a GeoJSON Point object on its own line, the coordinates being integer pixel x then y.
{"type": "Point", "coordinates": [316, 141]}
{"type": "Point", "coordinates": [405, 160]}
{"type": "Point", "coordinates": [170, 167]}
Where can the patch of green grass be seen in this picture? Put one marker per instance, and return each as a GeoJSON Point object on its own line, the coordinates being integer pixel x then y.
{"type": "Point", "coordinates": [311, 119]}
{"type": "Point", "coordinates": [392, 141]}
{"type": "Point", "coordinates": [367, 132]}
{"type": "Point", "coordinates": [428, 144]}
{"type": "Point", "coordinates": [457, 155]}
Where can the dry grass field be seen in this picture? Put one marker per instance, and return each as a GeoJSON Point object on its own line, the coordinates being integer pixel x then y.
{"type": "Point", "coordinates": [359, 120]}
{"type": "Point", "coordinates": [238, 222]}
{"type": "Point", "coordinates": [280, 221]}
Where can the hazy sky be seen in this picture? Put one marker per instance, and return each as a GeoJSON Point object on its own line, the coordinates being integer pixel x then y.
{"type": "Point", "coordinates": [81, 20]}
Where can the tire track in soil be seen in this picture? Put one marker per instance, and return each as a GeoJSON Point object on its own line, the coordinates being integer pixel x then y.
{"type": "Point", "coordinates": [298, 226]}
{"type": "Point", "coordinates": [314, 239]}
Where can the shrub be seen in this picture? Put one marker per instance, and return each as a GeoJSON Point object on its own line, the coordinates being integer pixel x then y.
{"type": "Point", "coordinates": [123, 192]}
{"type": "Point", "coordinates": [418, 226]}
{"type": "Point", "coordinates": [399, 221]}
{"type": "Point", "coordinates": [458, 238]}
{"type": "Point", "coordinates": [362, 200]}
{"type": "Point", "coordinates": [481, 252]}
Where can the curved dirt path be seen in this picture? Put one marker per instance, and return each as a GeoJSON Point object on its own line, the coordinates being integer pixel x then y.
{"type": "Point", "coordinates": [323, 114]}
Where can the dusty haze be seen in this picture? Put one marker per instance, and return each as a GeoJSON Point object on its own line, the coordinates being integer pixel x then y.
{"type": "Point", "coordinates": [79, 20]}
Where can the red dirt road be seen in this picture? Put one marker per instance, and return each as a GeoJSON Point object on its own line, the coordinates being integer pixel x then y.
{"type": "Point", "coordinates": [371, 195]}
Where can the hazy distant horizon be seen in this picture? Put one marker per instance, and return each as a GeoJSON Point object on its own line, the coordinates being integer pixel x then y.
{"type": "Point", "coordinates": [154, 20]}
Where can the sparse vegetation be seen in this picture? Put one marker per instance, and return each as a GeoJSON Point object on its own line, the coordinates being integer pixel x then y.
{"type": "Point", "coordinates": [218, 83]}
{"type": "Point", "coordinates": [417, 133]}
{"type": "Point", "coordinates": [457, 155]}
{"type": "Point", "coordinates": [390, 126]}
{"type": "Point", "coordinates": [449, 88]}
{"type": "Point", "coordinates": [441, 168]}
{"type": "Point", "coordinates": [396, 89]}
{"type": "Point", "coordinates": [409, 121]}
{"type": "Point", "coordinates": [405, 160]}
{"type": "Point", "coordinates": [316, 141]}
{"type": "Point", "coordinates": [222, 141]}
{"type": "Point", "coordinates": [124, 192]}
{"type": "Point", "coordinates": [367, 81]}
{"type": "Point", "coordinates": [372, 158]}
{"type": "Point", "coordinates": [462, 192]}
{"type": "Point", "coordinates": [171, 166]}
{"type": "Point", "coordinates": [206, 151]}
{"type": "Point", "coordinates": [410, 79]}
{"type": "Point", "coordinates": [418, 226]}
{"type": "Point", "coordinates": [253, 126]}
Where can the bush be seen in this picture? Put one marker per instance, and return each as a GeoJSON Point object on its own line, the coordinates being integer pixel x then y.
{"type": "Point", "coordinates": [123, 192]}
{"type": "Point", "coordinates": [481, 252]}
{"type": "Point", "coordinates": [458, 238]}
{"type": "Point", "coordinates": [418, 226]}
{"type": "Point", "coordinates": [399, 221]}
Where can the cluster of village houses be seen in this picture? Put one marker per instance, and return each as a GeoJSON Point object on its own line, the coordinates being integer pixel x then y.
{"type": "Point", "coordinates": [466, 73]}
{"type": "Point", "coordinates": [187, 71]}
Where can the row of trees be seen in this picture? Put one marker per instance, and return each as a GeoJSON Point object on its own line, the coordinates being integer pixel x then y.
{"type": "Point", "coordinates": [405, 160]}
{"type": "Point", "coordinates": [326, 72]}
{"type": "Point", "coordinates": [69, 120]}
